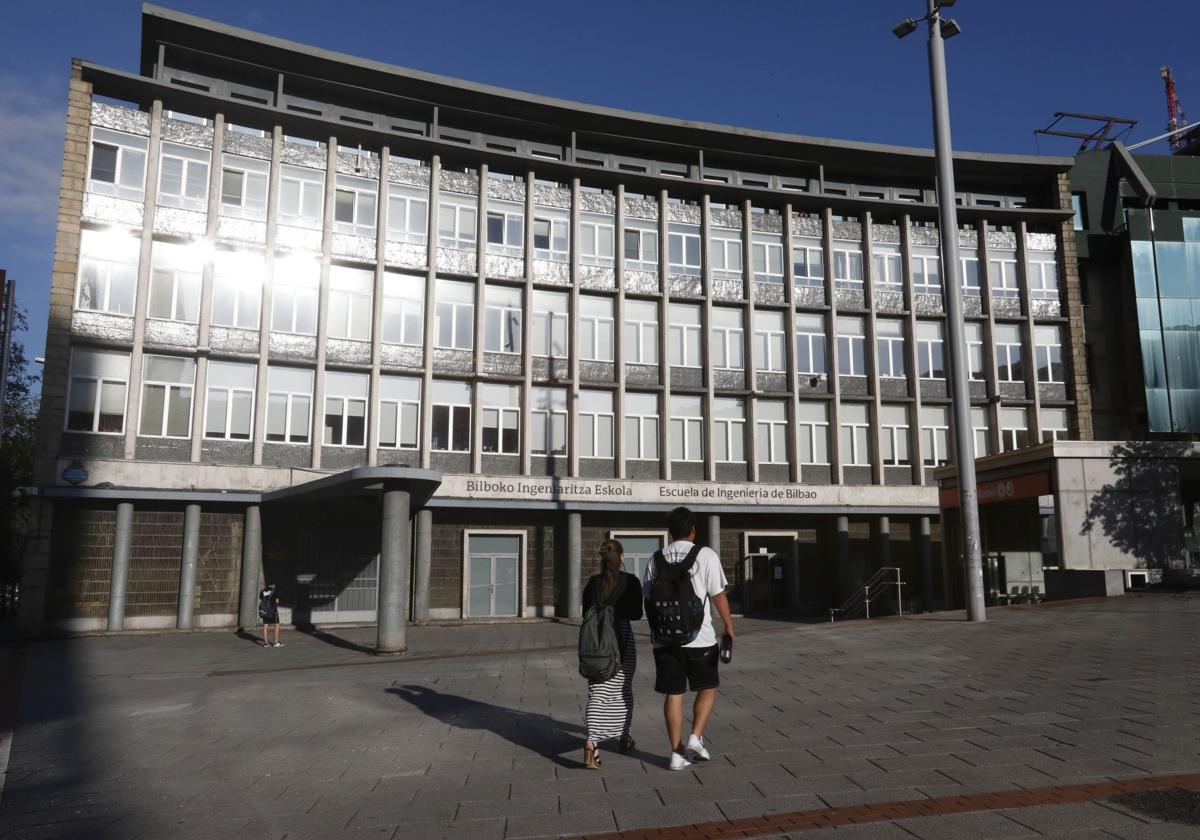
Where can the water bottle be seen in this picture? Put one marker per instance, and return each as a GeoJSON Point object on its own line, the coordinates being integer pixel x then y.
{"type": "Point", "coordinates": [726, 649]}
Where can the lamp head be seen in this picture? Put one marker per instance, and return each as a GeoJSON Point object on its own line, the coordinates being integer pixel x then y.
{"type": "Point", "coordinates": [904, 28]}
{"type": "Point", "coordinates": [950, 28]}
{"type": "Point", "coordinates": [943, 4]}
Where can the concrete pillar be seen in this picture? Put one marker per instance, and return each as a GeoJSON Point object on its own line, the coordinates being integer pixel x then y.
{"type": "Point", "coordinates": [925, 557]}
{"type": "Point", "coordinates": [841, 558]}
{"type": "Point", "coordinates": [120, 566]}
{"type": "Point", "coordinates": [393, 572]}
{"type": "Point", "coordinates": [573, 591]}
{"type": "Point", "coordinates": [424, 556]}
{"type": "Point", "coordinates": [885, 541]}
{"type": "Point", "coordinates": [187, 568]}
{"type": "Point", "coordinates": [251, 567]}
{"type": "Point", "coordinates": [792, 576]}
{"type": "Point", "coordinates": [714, 533]}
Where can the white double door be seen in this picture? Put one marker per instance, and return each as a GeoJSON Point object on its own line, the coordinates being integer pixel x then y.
{"type": "Point", "coordinates": [493, 575]}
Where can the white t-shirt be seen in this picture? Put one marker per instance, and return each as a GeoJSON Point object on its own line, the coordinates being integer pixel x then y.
{"type": "Point", "coordinates": [708, 579]}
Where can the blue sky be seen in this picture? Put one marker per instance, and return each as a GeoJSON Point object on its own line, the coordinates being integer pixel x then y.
{"type": "Point", "coordinates": [829, 69]}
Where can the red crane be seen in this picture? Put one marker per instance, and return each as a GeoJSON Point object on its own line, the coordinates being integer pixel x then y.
{"type": "Point", "coordinates": [1175, 116]}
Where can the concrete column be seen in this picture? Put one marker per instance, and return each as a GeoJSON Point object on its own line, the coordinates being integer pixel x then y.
{"type": "Point", "coordinates": [884, 546]}
{"type": "Point", "coordinates": [187, 568]}
{"type": "Point", "coordinates": [120, 566]}
{"type": "Point", "coordinates": [793, 578]}
{"type": "Point", "coordinates": [841, 558]}
{"type": "Point", "coordinates": [251, 568]}
{"type": "Point", "coordinates": [424, 556]}
{"type": "Point", "coordinates": [573, 590]}
{"type": "Point", "coordinates": [925, 558]}
{"type": "Point", "coordinates": [714, 533]}
{"type": "Point", "coordinates": [393, 572]}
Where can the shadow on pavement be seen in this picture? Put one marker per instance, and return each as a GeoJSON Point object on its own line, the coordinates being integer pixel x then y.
{"type": "Point", "coordinates": [330, 639]}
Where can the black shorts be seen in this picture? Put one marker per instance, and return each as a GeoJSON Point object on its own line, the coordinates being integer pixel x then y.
{"type": "Point", "coordinates": [271, 618]}
{"type": "Point", "coordinates": [678, 669]}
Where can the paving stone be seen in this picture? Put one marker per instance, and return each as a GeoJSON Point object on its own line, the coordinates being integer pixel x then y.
{"type": "Point", "coordinates": [982, 825]}
{"type": "Point", "coordinates": [1047, 819]}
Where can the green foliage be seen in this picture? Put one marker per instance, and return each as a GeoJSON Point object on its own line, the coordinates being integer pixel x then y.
{"type": "Point", "coordinates": [17, 447]}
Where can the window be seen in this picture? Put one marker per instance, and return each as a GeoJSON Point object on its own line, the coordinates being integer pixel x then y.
{"type": "Point", "coordinates": [595, 422]}
{"type": "Point", "coordinates": [550, 239]}
{"type": "Point", "coordinates": [1079, 206]}
{"type": "Point", "coordinates": [351, 291]}
{"type": "Point", "coordinates": [1047, 351]}
{"type": "Point", "coordinates": [345, 409]}
{"type": "Point", "coordinates": [301, 196]}
{"type": "Point", "coordinates": [453, 314]}
{"type": "Point", "coordinates": [118, 164]}
{"type": "Point", "coordinates": [1014, 428]}
{"type": "Point", "coordinates": [970, 276]}
{"type": "Point", "coordinates": [596, 327]}
{"type": "Point", "coordinates": [889, 342]}
{"type": "Point", "coordinates": [854, 448]}
{"type": "Point", "coordinates": [766, 257]}
{"type": "Point", "coordinates": [641, 426]}
{"type": "Point", "coordinates": [931, 350]}
{"type": "Point", "coordinates": [851, 347]}
{"type": "Point", "coordinates": [770, 341]}
{"type": "Point", "coordinates": [354, 202]}
{"type": "Point", "coordinates": [847, 265]}
{"type": "Point", "coordinates": [244, 187]}
{"type": "Point", "coordinates": [99, 379]}
{"type": "Point", "coordinates": [729, 430]}
{"type": "Point", "coordinates": [294, 295]}
{"type": "Point", "coordinates": [183, 177]}
{"type": "Point", "coordinates": [237, 289]}
{"type": "Point", "coordinates": [399, 412]}
{"type": "Point", "coordinates": [550, 324]}
{"type": "Point", "coordinates": [167, 383]}
{"type": "Point", "coordinates": [506, 229]}
{"type": "Point", "coordinates": [1043, 275]}
{"type": "Point", "coordinates": [888, 275]}
{"type": "Point", "coordinates": [501, 319]}
{"type": "Point", "coordinates": [812, 421]}
{"type": "Point", "coordinates": [770, 429]}
{"type": "Point", "coordinates": [407, 214]}
{"type": "Point", "coordinates": [595, 240]}
{"type": "Point", "coordinates": [810, 344]}
{"type": "Point", "coordinates": [725, 252]}
{"type": "Point", "coordinates": [683, 335]}
{"type": "Point", "coordinates": [1002, 274]}
{"type": "Point", "coordinates": [683, 250]}
{"type": "Point", "coordinates": [979, 428]}
{"type": "Point", "coordinates": [641, 332]}
{"type": "Point", "coordinates": [548, 421]}
{"type": "Point", "coordinates": [935, 435]}
{"type": "Point", "coordinates": [1054, 424]}
{"type": "Point", "coordinates": [687, 428]}
{"type": "Point", "coordinates": [500, 419]}
{"type": "Point", "coordinates": [926, 270]}
{"type": "Point", "coordinates": [289, 404]}
{"type": "Point", "coordinates": [108, 264]}
{"type": "Point", "coordinates": [456, 223]}
{"type": "Point", "coordinates": [641, 248]}
{"type": "Point", "coordinates": [175, 282]}
{"type": "Point", "coordinates": [1008, 353]}
{"type": "Point", "coordinates": [973, 333]}
{"type": "Point", "coordinates": [229, 406]}
{"type": "Point", "coordinates": [451, 431]}
{"type": "Point", "coordinates": [403, 309]}
{"type": "Point", "coordinates": [808, 262]}
{"type": "Point", "coordinates": [893, 435]}
{"type": "Point", "coordinates": [727, 338]}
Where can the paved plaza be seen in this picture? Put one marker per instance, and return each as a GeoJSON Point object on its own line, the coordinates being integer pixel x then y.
{"type": "Point", "coordinates": [963, 731]}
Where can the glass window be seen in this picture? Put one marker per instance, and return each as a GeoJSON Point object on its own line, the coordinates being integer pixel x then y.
{"type": "Point", "coordinates": [550, 319]}
{"type": "Point", "coordinates": [96, 401]}
{"type": "Point", "coordinates": [893, 435]}
{"type": "Point", "coordinates": [770, 341]}
{"type": "Point", "coordinates": [354, 203]}
{"type": "Point", "coordinates": [500, 419]}
{"type": "Point", "coordinates": [810, 344]}
{"type": "Point", "coordinates": [1043, 275]}
{"type": "Point", "coordinates": [118, 164]}
{"type": "Point", "coordinates": [979, 428]}
{"type": "Point", "coordinates": [175, 272]}
{"type": "Point", "coordinates": [167, 383]}
{"type": "Point", "coordinates": [550, 237]}
{"type": "Point", "coordinates": [301, 196]}
{"type": "Point", "coordinates": [887, 273]}
{"type": "Point", "coordinates": [1002, 273]}
{"type": "Point", "coordinates": [454, 314]}
{"type": "Point", "coordinates": [407, 214]}
{"type": "Point", "coordinates": [847, 265]}
{"type": "Point", "coordinates": [808, 261]}
{"type": "Point", "coordinates": [451, 420]}
{"type": "Point", "coordinates": [237, 289]}
{"type": "Point", "coordinates": [294, 295]}
{"type": "Point", "coordinates": [1054, 424]}
{"type": "Point", "coordinates": [854, 446]}
{"type": "Point", "coordinates": [727, 338]}
{"type": "Point", "coordinates": [351, 291]}
{"type": "Point", "coordinates": [641, 332]}
{"type": "Point", "coordinates": [926, 267]}
{"type": "Point", "coordinates": [108, 265]}
{"type": "Point", "coordinates": [548, 421]}
{"type": "Point", "coordinates": [641, 426]}
{"type": "Point", "coordinates": [289, 404]}
{"type": "Point", "coordinates": [889, 341]}
{"type": "Point", "coordinates": [725, 252]}
{"type": "Point", "coordinates": [970, 276]}
{"type": "Point", "coordinates": [506, 229]}
{"type": "Point", "coordinates": [229, 406]}
{"type": "Point", "coordinates": [595, 420]}
{"type": "Point", "coordinates": [1014, 428]}
{"type": "Point", "coordinates": [729, 430]}
{"type": "Point", "coordinates": [1047, 348]}
{"type": "Point", "coordinates": [851, 347]}
{"type": "Point", "coordinates": [183, 177]}
{"type": "Point", "coordinates": [641, 246]}
{"type": "Point", "coordinates": [399, 412]}
{"type": "Point", "coordinates": [1008, 353]}
{"type": "Point", "coordinates": [812, 420]}
{"type": "Point", "coordinates": [501, 319]}
{"type": "Point", "coordinates": [596, 240]}
{"type": "Point", "coordinates": [935, 435]}
{"type": "Point", "coordinates": [683, 334]}
{"type": "Point", "coordinates": [931, 350]}
{"type": "Point", "coordinates": [403, 309]}
{"type": "Point", "coordinates": [596, 327]}
{"type": "Point", "coordinates": [766, 257]}
{"type": "Point", "coordinates": [345, 409]}
{"type": "Point", "coordinates": [244, 187]}
{"type": "Point", "coordinates": [687, 428]}
{"type": "Point", "coordinates": [683, 250]}
{"type": "Point", "coordinates": [973, 333]}
{"type": "Point", "coordinates": [770, 429]}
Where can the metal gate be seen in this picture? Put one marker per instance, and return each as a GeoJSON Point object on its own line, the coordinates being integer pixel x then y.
{"type": "Point", "coordinates": [337, 580]}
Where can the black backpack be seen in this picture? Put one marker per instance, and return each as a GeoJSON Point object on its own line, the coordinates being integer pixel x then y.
{"type": "Point", "coordinates": [599, 647]}
{"type": "Point", "coordinates": [676, 614]}
{"type": "Point", "coordinates": [265, 607]}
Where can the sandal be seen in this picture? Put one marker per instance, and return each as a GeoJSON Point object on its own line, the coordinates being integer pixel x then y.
{"type": "Point", "coordinates": [627, 743]}
{"type": "Point", "coordinates": [591, 758]}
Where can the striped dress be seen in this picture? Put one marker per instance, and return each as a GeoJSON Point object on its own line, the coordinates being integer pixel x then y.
{"type": "Point", "coordinates": [609, 711]}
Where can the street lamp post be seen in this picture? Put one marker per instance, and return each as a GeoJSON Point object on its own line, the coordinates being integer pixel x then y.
{"type": "Point", "coordinates": [939, 29]}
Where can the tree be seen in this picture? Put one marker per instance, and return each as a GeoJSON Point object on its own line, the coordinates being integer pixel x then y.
{"type": "Point", "coordinates": [17, 447]}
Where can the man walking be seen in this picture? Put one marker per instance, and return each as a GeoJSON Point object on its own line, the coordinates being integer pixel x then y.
{"type": "Point", "coordinates": [679, 584]}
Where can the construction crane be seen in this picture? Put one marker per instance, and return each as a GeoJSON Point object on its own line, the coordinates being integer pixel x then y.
{"type": "Point", "coordinates": [1175, 116]}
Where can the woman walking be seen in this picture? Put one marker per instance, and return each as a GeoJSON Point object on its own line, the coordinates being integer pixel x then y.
{"type": "Point", "coordinates": [609, 711]}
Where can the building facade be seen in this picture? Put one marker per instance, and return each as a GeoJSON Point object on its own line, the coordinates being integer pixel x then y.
{"type": "Point", "coordinates": [289, 282]}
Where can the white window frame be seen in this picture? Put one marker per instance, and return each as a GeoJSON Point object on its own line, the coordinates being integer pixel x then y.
{"type": "Point", "coordinates": [1045, 350]}
{"type": "Point", "coordinates": [592, 241]}
{"type": "Point", "coordinates": [396, 405]}
{"type": "Point", "coordinates": [772, 432]}
{"type": "Point", "coordinates": [290, 399]}
{"type": "Point", "coordinates": [725, 254]}
{"type": "Point", "coordinates": [189, 159]}
{"type": "Point", "coordinates": [505, 315]}
{"type": "Point", "coordinates": [589, 419]}
{"type": "Point", "coordinates": [890, 351]}
{"type": "Point", "coordinates": [183, 283]}
{"type": "Point", "coordinates": [1002, 276]}
{"type": "Point", "coordinates": [499, 415]}
{"type": "Point", "coordinates": [1043, 276]}
{"type": "Point", "coordinates": [972, 280]}
{"type": "Point", "coordinates": [894, 436]}
{"type": "Point", "coordinates": [462, 212]}
{"type": "Point", "coordinates": [846, 343]}
{"type": "Point", "coordinates": [635, 448]}
{"type": "Point", "coordinates": [974, 351]}
{"type": "Point", "coordinates": [727, 344]}
{"type": "Point", "coordinates": [341, 401]}
{"type": "Point", "coordinates": [771, 342]}
{"type": "Point", "coordinates": [187, 389]}
{"type": "Point", "coordinates": [766, 257]}
{"type": "Point", "coordinates": [859, 440]}
{"type": "Point", "coordinates": [647, 249]}
{"type": "Point", "coordinates": [1053, 431]}
{"type": "Point", "coordinates": [980, 433]}
{"type": "Point", "coordinates": [453, 409]}
{"type": "Point", "coordinates": [229, 392]}
{"type": "Point", "coordinates": [238, 276]}
{"type": "Point", "coordinates": [802, 274]}
{"type": "Point", "coordinates": [551, 320]}
{"type": "Point", "coordinates": [816, 341]}
{"type": "Point", "coordinates": [935, 435]}
{"type": "Point", "coordinates": [398, 308]}
{"type": "Point", "coordinates": [1006, 351]}
{"type": "Point", "coordinates": [810, 429]}
{"type": "Point", "coordinates": [729, 434]}
{"type": "Point", "coordinates": [132, 152]}
{"type": "Point", "coordinates": [542, 415]}
{"type": "Point", "coordinates": [847, 265]}
{"type": "Point", "coordinates": [252, 196]}
{"type": "Point", "coordinates": [929, 350]}
{"type": "Point", "coordinates": [296, 283]}
{"type": "Point", "coordinates": [557, 237]}
{"type": "Point", "coordinates": [685, 238]}
{"type": "Point", "coordinates": [640, 351]}
{"type": "Point", "coordinates": [309, 210]}
{"type": "Point", "coordinates": [402, 226]}
{"type": "Point", "coordinates": [345, 288]}
{"type": "Point", "coordinates": [512, 229]}
{"type": "Point", "coordinates": [1010, 435]}
{"type": "Point", "coordinates": [98, 381]}
{"type": "Point", "coordinates": [364, 206]}
{"type": "Point", "coordinates": [888, 275]}
{"type": "Point", "coordinates": [462, 319]}
{"type": "Point", "coordinates": [125, 251]}
{"type": "Point", "coordinates": [921, 265]}
{"type": "Point", "coordinates": [684, 429]}
{"type": "Point", "coordinates": [593, 328]}
{"type": "Point", "coordinates": [683, 338]}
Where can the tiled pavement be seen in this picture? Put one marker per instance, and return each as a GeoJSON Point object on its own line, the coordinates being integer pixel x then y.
{"type": "Point", "coordinates": [477, 733]}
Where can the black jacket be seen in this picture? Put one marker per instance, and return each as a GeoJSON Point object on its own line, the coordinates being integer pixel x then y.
{"type": "Point", "coordinates": [628, 604]}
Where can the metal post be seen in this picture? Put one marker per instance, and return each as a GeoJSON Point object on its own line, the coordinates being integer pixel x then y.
{"type": "Point", "coordinates": [573, 591]}
{"type": "Point", "coordinates": [899, 595]}
{"type": "Point", "coordinates": [867, 599]}
{"type": "Point", "coordinates": [251, 566]}
{"type": "Point", "coordinates": [393, 573]}
{"type": "Point", "coordinates": [948, 225]}
{"type": "Point", "coordinates": [120, 566]}
{"type": "Point", "coordinates": [187, 568]}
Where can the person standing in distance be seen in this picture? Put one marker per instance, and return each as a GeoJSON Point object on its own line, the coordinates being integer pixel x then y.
{"type": "Point", "coordinates": [268, 611]}
{"type": "Point", "coordinates": [686, 653]}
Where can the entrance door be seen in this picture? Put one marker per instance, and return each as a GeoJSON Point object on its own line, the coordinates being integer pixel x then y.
{"type": "Point", "coordinates": [493, 575]}
{"type": "Point", "coordinates": [337, 578]}
{"type": "Point", "coordinates": [639, 548]}
{"type": "Point", "coordinates": [767, 570]}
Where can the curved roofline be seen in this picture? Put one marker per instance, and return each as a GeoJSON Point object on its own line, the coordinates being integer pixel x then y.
{"type": "Point", "coordinates": [152, 14]}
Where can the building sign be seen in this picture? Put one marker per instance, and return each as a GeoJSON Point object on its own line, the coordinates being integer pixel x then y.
{"type": "Point", "coordinates": [1028, 486]}
{"type": "Point", "coordinates": [75, 473]}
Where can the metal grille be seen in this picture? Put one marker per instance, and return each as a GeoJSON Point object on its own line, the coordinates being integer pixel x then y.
{"type": "Point", "coordinates": [81, 561]}
{"type": "Point", "coordinates": [219, 564]}
{"type": "Point", "coordinates": [155, 553]}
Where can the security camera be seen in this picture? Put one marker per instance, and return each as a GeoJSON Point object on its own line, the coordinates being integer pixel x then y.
{"type": "Point", "coordinates": [815, 380]}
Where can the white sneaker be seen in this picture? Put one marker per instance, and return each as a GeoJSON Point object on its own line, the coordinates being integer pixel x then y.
{"type": "Point", "coordinates": [695, 749]}
{"type": "Point", "coordinates": [679, 762]}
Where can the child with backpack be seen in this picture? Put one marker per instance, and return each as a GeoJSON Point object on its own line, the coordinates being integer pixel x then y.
{"type": "Point", "coordinates": [268, 611]}
{"type": "Point", "coordinates": [680, 583]}
{"type": "Point", "coordinates": [608, 652]}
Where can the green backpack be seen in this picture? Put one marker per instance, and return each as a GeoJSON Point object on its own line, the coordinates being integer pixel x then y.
{"type": "Point", "coordinates": [599, 647]}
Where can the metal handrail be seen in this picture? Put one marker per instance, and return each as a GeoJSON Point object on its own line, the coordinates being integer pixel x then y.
{"type": "Point", "coordinates": [861, 599]}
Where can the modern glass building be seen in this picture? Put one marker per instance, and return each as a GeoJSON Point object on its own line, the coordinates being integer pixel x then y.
{"type": "Point", "coordinates": [365, 330]}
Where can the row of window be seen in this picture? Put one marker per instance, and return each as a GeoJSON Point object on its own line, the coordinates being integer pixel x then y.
{"type": "Point", "coordinates": [100, 378]}
{"type": "Point", "coordinates": [118, 169]}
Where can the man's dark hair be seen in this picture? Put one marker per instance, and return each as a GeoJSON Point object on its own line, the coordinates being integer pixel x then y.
{"type": "Point", "coordinates": [680, 523]}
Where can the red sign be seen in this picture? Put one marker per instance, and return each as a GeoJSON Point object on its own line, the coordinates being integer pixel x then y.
{"type": "Point", "coordinates": [1027, 486]}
